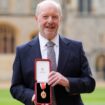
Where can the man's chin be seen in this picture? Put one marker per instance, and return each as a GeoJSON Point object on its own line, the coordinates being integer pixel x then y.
{"type": "Point", "coordinates": [50, 35]}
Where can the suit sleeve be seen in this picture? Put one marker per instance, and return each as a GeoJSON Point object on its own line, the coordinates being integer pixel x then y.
{"type": "Point", "coordinates": [18, 90]}
{"type": "Point", "coordinates": [85, 83]}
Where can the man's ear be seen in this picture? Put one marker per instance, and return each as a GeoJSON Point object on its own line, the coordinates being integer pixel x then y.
{"type": "Point", "coordinates": [61, 18]}
{"type": "Point", "coordinates": [36, 18]}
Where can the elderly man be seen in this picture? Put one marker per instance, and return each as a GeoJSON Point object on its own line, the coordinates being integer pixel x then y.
{"type": "Point", "coordinates": [70, 75]}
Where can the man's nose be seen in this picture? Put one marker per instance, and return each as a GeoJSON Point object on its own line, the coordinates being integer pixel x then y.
{"type": "Point", "coordinates": [50, 19]}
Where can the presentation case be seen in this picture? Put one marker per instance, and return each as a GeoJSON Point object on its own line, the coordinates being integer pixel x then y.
{"type": "Point", "coordinates": [43, 91]}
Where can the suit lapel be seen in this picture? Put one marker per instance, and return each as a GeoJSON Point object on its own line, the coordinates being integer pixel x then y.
{"type": "Point", "coordinates": [64, 54]}
{"type": "Point", "coordinates": [35, 48]}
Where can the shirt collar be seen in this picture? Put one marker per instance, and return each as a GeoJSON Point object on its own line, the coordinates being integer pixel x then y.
{"type": "Point", "coordinates": [43, 40]}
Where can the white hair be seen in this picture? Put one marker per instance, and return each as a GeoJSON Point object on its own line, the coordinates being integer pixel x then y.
{"type": "Point", "coordinates": [53, 2]}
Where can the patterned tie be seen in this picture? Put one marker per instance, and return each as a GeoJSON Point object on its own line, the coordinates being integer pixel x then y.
{"type": "Point", "coordinates": [51, 56]}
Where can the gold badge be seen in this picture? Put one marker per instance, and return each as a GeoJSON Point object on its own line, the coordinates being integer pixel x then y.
{"type": "Point", "coordinates": [43, 94]}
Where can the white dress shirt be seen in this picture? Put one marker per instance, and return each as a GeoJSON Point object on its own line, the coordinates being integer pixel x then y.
{"type": "Point", "coordinates": [43, 48]}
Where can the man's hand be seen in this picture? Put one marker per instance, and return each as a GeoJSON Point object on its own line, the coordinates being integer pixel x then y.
{"type": "Point", "coordinates": [57, 78]}
{"type": "Point", "coordinates": [33, 98]}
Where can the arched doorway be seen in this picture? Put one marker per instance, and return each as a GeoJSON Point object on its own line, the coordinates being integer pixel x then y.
{"type": "Point", "coordinates": [100, 66]}
{"type": "Point", "coordinates": [33, 35]}
{"type": "Point", "coordinates": [7, 38]}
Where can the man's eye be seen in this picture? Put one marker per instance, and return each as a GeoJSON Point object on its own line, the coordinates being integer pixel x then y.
{"type": "Point", "coordinates": [55, 17]}
{"type": "Point", "coordinates": [45, 16]}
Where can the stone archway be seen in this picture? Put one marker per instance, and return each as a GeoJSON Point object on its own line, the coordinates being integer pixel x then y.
{"type": "Point", "coordinates": [7, 38]}
{"type": "Point", "coordinates": [33, 35]}
{"type": "Point", "coordinates": [100, 66]}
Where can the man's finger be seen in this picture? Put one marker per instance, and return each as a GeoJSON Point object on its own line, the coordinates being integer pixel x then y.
{"type": "Point", "coordinates": [33, 98]}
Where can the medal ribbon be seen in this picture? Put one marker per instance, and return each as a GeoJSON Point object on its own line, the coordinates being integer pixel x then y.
{"type": "Point", "coordinates": [43, 85]}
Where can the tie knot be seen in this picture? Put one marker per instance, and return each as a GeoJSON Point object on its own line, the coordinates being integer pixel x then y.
{"type": "Point", "coordinates": [50, 44]}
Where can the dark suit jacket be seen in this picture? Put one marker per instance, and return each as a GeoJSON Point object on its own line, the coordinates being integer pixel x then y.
{"type": "Point", "coordinates": [72, 64]}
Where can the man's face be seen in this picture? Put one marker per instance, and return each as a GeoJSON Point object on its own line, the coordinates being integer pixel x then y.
{"type": "Point", "coordinates": [48, 20]}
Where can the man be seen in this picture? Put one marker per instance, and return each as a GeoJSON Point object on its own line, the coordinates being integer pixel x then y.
{"type": "Point", "coordinates": [72, 76]}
